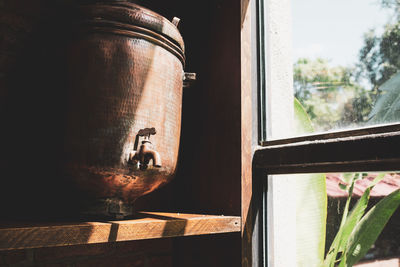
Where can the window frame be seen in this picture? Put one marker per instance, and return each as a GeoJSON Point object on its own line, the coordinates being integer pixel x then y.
{"type": "Point", "coordinates": [363, 149]}
{"type": "Point", "coordinates": [357, 150]}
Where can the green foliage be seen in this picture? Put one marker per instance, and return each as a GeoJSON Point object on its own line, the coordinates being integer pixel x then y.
{"type": "Point", "coordinates": [302, 121]}
{"type": "Point", "coordinates": [387, 106]}
{"type": "Point", "coordinates": [336, 97]}
{"type": "Point", "coordinates": [379, 62]}
{"type": "Point", "coordinates": [357, 232]}
{"type": "Point", "coordinates": [339, 241]}
{"type": "Point", "coordinates": [341, 97]}
{"type": "Point", "coordinates": [313, 75]}
{"type": "Point", "coordinates": [379, 58]}
{"type": "Point", "coordinates": [370, 60]}
{"type": "Point", "coordinates": [368, 229]}
{"type": "Point", "coordinates": [311, 214]}
{"type": "Point", "coordinates": [330, 95]}
{"type": "Point", "coordinates": [349, 223]}
{"type": "Point", "coordinates": [311, 204]}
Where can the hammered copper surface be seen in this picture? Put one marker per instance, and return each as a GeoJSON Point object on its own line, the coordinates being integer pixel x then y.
{"type": "Point", "coordinates": [121, 83]}
{"type": "Point", "coordinates": [80, 93]}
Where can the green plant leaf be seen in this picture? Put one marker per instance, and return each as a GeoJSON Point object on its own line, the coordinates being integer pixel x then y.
{"type": "Point", "coordinates": [369, 227]}
{"type": "Point", "coordinates": [311, 205]}
{"type": "Point", "coordinates": [339, 241]}
{"type": "Point", "coordinates": [377, 179]}
{"type": "Point", "coordinates": [358, 211]}
{"type": "Point", "coordinates": [302, 121]}
{"type": "Point", "coordinates": [311, 212]}
{"type": "Point", "coordinates": [353, 218]}
{"type": "Point", "coordinates": [343, 186]}
{"type": "Point", "coordinates": [387, 107]}
{"type": "Point", "coordinates": [348, 177]}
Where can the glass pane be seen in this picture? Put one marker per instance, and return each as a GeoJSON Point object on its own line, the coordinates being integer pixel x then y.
{"type": "Point", "coordinates": [346, 58]}
{"type": "Point", "coordinates": [304, 213]}
{"type": "Point", "coordinates": [339, 59]}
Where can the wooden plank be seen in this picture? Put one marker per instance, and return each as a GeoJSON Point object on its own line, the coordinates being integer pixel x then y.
{"type": "Point", "coordinates": [149, 225]}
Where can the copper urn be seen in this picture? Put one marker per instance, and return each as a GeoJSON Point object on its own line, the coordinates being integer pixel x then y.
{"type": "Point", "coordinates": [123, 128]}
{"type": "Point", "coordinates": [122, 80]}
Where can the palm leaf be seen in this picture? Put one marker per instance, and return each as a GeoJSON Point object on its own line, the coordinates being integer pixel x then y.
{"type": "Point", "coordinates": [354, 217]}
{"type": "Point", "coordinates": [387, 106]}
{"type": "Point", "coordinates": [370, 226]}
{"type": "Point", "coordinates": [311, 205]}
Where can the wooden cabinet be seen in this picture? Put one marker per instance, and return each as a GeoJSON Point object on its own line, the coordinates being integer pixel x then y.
{"type": "Point", "coordinates": [214, 177]}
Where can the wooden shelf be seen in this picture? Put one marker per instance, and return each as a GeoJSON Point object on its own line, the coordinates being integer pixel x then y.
{"type": "Point", "coordinates": [150, 225]}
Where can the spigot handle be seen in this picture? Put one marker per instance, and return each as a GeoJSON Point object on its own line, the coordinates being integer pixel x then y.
{"type": "Point", "coordinates": [146, 151]}
{"type": "Point", "coordinates": [147, 132]}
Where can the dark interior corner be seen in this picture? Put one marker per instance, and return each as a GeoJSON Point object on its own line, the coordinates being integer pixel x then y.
{"type": "Point", "coordinates": [208, 178]}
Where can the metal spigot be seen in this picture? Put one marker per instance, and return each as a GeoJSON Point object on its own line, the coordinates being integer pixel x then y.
{"type": "Point", "coordinates": [146, 151]}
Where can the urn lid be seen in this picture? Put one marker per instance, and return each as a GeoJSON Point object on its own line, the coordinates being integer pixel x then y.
{"type": "Point", "coordinates": [130, 16]}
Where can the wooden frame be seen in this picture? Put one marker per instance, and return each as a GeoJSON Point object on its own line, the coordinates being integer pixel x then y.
{"type": "Point", "coordinates": [212, 158]}
{"type": "Point", "coordinates": [252, 188]}
{"type": "Point", "coordinates": [232, 49]}
{"type": "Point", "coordinates": [228, 184]}
{"type": "Point", "coordinates": [346, 151]}
{"type": "Point", "coordinates": [366, 149]}
{"type": "Point", "coordinates": [368, 152]}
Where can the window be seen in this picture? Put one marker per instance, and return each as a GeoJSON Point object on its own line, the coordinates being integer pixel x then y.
{"type": "Point", "coordinates": [366, 113]}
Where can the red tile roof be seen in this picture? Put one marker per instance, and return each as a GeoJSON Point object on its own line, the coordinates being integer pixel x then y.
{"type": "Point", "coordinates": [390, 183]}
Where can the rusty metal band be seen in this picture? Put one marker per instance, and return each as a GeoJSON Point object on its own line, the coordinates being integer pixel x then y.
{"type": "Point", "coordinates": [135, 28]}
{"type": "Point", "coordinates": [138, 32]}
{"type": "Point", "coordinates": [132, 14]}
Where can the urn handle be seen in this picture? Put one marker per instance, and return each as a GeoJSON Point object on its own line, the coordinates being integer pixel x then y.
{"type": "Point", "coordinates": [188, 79]}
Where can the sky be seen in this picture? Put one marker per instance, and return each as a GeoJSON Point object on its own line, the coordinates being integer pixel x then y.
{"type": "Point", "coordinates": [333, 29]}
